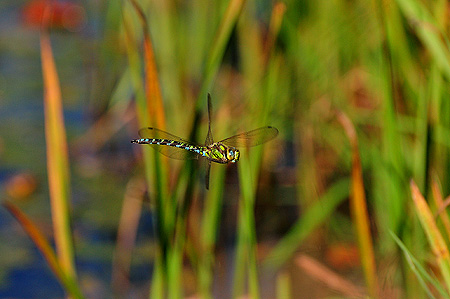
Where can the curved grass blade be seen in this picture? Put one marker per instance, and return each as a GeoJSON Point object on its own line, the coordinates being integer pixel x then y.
{"type": "Point", "coordinates": [168, 151]}
{"type": "Point", "coordinates": [155, 107]}
{"type": "Point", "coordinates": [316, 215]}
{"type": "Point", "coordinates": [65, 278]}
{"type": "Point", "coordinates": [57, 158]}
{"type": "Point", "coordinates": [251, 138]}
{"type": "Point", "coordinates": [423, 277]}
{"type": "Point", "coordinates": [437, 243]}
{"type": "Point", "coordinates": [358, 206]}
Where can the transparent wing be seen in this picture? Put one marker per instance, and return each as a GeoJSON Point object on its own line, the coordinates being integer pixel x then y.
{"type": "Point", "coordinates": [169, 151]}
{"type": "Point", "coordinates": [251, 138]}
{"type": "Point", "coordinates": [160, 134]}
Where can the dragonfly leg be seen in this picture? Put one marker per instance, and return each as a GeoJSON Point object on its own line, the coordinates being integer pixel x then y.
{"type": "Point", "coordinates": [208, 170]}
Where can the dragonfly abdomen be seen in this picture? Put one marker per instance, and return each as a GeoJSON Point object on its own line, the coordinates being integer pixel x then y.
{"type": "Point", "coordinates": [169, 142]}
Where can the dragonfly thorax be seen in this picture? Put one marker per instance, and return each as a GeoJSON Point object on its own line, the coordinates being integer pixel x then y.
{"type": "Point", "coordinates": [220, 153]}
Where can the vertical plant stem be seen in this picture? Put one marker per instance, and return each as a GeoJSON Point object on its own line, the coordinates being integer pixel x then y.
{"type": "Point", "coordinates": [150, 112]}
{"type": "Point", "coordinates": [209, 227]}
{"type": "Point", "coordinates": [246, 262]}
{"type": "Point", "coordinates": [283, 285]}
{"type": "Point", "coordinates": [157, 290]}
{"type": "Point", "coordinates": [219, 46]}
{"type": "Point", "coordinates": [211, 68]}
{"type": "Point", "coordinates": [175, 261]}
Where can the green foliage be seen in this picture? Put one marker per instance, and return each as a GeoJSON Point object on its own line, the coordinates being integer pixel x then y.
{"type": "Point", "coordinates": [384, 65]}
{"type": "Point", "coordinates": [291, 65]}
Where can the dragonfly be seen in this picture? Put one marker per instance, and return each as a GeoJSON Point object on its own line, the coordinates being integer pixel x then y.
{"type": "Point", "coordinates": [224, 151]}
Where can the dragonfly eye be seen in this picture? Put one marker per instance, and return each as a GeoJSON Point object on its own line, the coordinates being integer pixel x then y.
{"type": "Point", "coordinates": [232, 155]}
{"type": "Point", "coordinates": [236, 155]}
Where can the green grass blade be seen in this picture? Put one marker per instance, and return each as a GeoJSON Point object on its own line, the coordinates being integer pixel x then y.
{"type": "Point", "coordinates": [154, 170]}
{"type": "Point", "coordinates": [311, 219]}
{"type": "Point", "coordinates": [283, 286]}
{"type": "Point", "coordinates": [210, 226]}
{"type": "Point", "coordinates": [422, 276]}
{"type": "Point", "coordinates": [427, 31]}
{"type": "Point", "coordinates": [218, 47]}
{"type": "Point", "coordinates": [245, 263]}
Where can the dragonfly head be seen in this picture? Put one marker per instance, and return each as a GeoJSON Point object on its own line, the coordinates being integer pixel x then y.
{"type": "Point", "coordinates": [233, 154]}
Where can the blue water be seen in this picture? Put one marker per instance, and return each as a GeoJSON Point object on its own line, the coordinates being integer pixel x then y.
{"type": "Point", "coordinates": [32, 281]}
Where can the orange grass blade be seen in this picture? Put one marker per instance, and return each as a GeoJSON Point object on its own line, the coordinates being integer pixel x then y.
{"type": "Point", "coordinates": [46, 250]}
{"type": "Point", "coordinates": [441, 206]}
{"type": "Point", "coordinates": [434, 236]}
{"type": "Point", "coordinates": [57, 159]}
{"type": "Point", "coordinates": [333, 280]}
{"type": "Point", "coordinates": [155, 106]}
{"type": "Point", "coordinates": [154, 103]}
{"type": "Point", "coordinates": [150, 111]}
{"type": "Point", "coordinates": [276, 20]}
{"type": "Point", "coordinates": [358, 207]}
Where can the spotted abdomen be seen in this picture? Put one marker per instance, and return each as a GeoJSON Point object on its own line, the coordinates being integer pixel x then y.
{"type": "Point", "coordinates": [167, 142]}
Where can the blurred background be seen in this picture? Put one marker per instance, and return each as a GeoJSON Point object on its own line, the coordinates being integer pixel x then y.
{"type": "Point", "coordinates": [333, 207]}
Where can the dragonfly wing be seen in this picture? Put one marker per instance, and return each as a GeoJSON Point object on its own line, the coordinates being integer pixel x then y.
{"type": "Point", "coordinates": [175, 153]}
{"type": "Point", "coordinates": [159, 134]}
{"type": "Point", "coordinates": [251, 138]}
{"type": "Point", "coordinates": [169, 151]}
